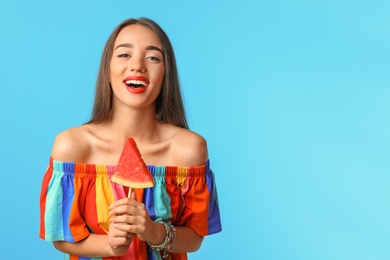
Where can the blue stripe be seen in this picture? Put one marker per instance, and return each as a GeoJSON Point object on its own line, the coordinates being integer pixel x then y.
{"type": "Point", "coordinates": [149, 199]}
{"type": "Point", "coordinates": [214, 222]}
{"type": "Point", "coordinates": [67, 199]}
{"type": "Point", "coordinates": [162, 202]}
{"type": "Point", "coordinates": [154, 255]}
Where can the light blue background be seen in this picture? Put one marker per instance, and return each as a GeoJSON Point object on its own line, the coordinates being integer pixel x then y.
{"type": "Point", "coordinates": [292, 96]}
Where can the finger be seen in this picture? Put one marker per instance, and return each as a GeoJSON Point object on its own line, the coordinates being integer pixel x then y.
{"type": "Point", "coordinates": [122, 210]}
{"type": "Point", "coordinates": [120, 241]}
{"type": "Point", "coordinates": [130, 229]}
{"type": "Point", "coordinates": [126, 235]}
{"type": "Point", "coordinates": [126, 219]}
{"type": "Point", "coordinates": [118, 233]}
{"type": "Point", "coordinates": [126, 201]}
{"type": "Point", "coordinates": [128, 209]}
{"type": "Point", "coordinates": [114, 232]}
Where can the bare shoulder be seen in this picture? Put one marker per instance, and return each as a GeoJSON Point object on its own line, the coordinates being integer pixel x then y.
{"type": "Point", "coordinates": [71, 145]}
{"type": "Point", "coordinates": [189, 148]}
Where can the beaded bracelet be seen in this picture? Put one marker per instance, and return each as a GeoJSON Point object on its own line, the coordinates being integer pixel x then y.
{"type": "Point", "coordinates": [170, 235]}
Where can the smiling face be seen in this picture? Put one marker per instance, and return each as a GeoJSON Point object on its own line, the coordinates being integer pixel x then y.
{"type": "Point", "coordinates": [136, 67]}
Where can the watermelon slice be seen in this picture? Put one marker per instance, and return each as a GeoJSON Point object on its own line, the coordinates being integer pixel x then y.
{"type": "Point", "coordinates": [131, 170]}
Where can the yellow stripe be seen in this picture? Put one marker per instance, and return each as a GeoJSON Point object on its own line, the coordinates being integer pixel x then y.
{"type": "Point", "coordinates": [104, 197]}
{"type": "Point", "coordinates": [181, 176]}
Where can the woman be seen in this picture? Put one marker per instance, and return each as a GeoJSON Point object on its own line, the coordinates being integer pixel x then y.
{"type": "Point", "coordinates": [137, 95]}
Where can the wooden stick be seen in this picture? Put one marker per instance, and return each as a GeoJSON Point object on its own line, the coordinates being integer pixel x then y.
{"type": "Point", "coordinates": [129, 194]}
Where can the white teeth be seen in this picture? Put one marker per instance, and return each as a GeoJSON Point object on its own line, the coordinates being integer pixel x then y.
{"type": "Point", "coordinates": [137, 82]}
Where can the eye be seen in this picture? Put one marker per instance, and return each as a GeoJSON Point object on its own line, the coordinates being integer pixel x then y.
{"type": "Point", "coordinates": [124, 55]}
{"type": "Point", "coordinates": [153, 58]}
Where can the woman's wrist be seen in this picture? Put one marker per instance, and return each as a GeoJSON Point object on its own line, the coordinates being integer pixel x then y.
{"type": "Point", "coordinates": [170, 236]}
{"type": "Point", "coordinates": [117, 251]}
{"type": "Point", "coordinates": [157, 237]}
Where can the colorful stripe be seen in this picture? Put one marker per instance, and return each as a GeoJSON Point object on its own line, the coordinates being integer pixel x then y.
{"type": "Point", "coordinates": [75, 199]}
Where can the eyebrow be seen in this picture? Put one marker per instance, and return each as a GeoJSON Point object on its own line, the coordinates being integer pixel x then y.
{"type": "Point", "coordinates": [129, 45]}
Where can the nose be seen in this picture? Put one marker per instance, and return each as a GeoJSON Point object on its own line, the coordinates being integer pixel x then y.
{"type": "Point", "coordinates": [137, 64]}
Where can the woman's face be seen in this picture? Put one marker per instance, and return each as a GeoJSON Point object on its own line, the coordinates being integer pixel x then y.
{"type": "Point", "coordinates": [137, 67]}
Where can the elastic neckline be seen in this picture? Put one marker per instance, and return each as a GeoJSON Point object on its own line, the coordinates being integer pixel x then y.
{"type": "Point", "coordinates": [99, 169]}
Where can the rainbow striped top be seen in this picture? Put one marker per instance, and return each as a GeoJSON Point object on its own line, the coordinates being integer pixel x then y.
{"type": "Point", "coordinates": [75, 198]}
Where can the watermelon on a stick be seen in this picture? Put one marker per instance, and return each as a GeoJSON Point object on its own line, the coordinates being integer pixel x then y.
{"type": "Point", "coordinates": [131, 169]}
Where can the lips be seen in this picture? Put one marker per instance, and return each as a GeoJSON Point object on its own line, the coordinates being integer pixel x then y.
{"type": "Point", "coordinates": [136, 84]}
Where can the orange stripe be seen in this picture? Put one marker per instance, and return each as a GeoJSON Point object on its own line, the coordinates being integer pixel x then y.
{"type": "Point", "coordinates": [76, 221]}
{"type": "Point", "coordinates": [197, 203]}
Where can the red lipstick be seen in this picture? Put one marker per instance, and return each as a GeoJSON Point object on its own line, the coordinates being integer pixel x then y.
{"type": "Point", "coordinates": [136, 84]}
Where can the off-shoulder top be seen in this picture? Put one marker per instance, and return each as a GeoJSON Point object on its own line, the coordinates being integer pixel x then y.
{"type": "Point", "coordinates": [75, 198]}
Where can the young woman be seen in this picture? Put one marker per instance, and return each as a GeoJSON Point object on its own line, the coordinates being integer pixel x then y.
{"type": "Point", "coordinates": [87, 216]}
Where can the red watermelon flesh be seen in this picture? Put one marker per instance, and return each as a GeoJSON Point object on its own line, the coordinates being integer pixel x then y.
{"type": "Point", "coordinates": [131, 169]}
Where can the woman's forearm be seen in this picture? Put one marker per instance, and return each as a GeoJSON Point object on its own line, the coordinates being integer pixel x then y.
{"type": "Point", "coordinates": [93, 246]}
{"type": "Point", "coordinates": [186, 241]}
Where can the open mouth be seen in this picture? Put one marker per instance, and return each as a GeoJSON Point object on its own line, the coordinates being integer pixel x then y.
{"type": "Point", "coordinates": [135, 83]}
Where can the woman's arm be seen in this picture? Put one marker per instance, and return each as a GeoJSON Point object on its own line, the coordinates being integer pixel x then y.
{"type": "Point", "coordinates": [92, 246]}
{"type": "Point", "coordinates": [97, 245]}
{"type": "Point", "coordinates": [186, 241]}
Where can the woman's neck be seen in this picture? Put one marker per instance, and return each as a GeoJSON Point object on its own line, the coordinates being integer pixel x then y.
{"type": "Point", "coordinates": [140, 124]}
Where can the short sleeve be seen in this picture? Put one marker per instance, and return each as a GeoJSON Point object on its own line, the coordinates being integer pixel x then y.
{"type": "Point", "coordinates": [60, 216]}
{"type": "Point", "coordinates": [201, 208]}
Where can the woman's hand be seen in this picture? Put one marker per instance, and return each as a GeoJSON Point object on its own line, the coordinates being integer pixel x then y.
{"type": "Point", "coordinates": [131, 216]}
{"type": "Point", "coordinates": [119, 240]}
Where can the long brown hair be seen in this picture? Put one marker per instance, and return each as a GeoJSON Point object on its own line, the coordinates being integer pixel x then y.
{"type": "Point", "coordinates": [169, 103]}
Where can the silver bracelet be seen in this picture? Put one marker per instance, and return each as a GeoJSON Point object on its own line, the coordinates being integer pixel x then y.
{"type": "Point", "coordinates": [170, 235]}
